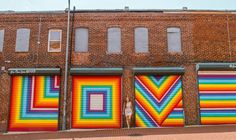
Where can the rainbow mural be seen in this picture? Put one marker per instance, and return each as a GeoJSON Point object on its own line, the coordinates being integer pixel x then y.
{"type": "Point", "coordinates": [34, 103]}
{"type": "Point", "coordinates": [158, 101]}
{"type": "Point", "coordinates": [96, 102]}
{"type": "Point", "coordinates": [217, 93]}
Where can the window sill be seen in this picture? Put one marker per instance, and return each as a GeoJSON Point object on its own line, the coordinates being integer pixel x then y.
{"type": "Point", "coordinates": [114, 53]}
{"type": "Point", "coordinates": [22, 52]}
{"type": "Point", "coordinates": [175, 53]}
{"type": "Point", "coordinates": [81, 52]}
{"type": "Point", "coordinates": [142, 53]}
{"type": "Point", "coordinates": [54, 51]}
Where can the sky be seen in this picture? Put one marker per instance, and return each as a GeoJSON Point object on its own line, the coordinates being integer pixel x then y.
{"type": "Point", "coordinates": [45, 5]}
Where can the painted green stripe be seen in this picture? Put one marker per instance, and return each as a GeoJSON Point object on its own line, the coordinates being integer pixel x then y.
{"type": "Point", "coordinates": [218, 97]}
{"type": "Point", "coordinates": [217, 100]}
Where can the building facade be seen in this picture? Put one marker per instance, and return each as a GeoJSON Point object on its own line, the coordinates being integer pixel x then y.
{"type": "Point", "coordinates": [177, 68]}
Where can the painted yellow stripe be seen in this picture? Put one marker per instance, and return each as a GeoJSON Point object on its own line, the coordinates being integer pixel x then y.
{"type": "Point", "coordinates": [18, 81]}
{"type": "Point", "coordinates": [173, 122]}
{"type": "Point", "coordinates": [216, 87]}
{"type": "Point", "coordinates": [207, 120]}
{"type": "Point", "coordinates": [217, 104]}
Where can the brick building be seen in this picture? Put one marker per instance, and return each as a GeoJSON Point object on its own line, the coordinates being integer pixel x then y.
{"type": "Point", "coordinates": [123, 49]}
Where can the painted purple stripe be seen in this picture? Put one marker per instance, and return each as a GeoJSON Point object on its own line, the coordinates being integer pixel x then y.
{"type": "Point", "coordinates": [177, 112]}
{"type": "Point", "coordinates": [218, 94]}
{"type": "Point", "coordinates": [104, 101]}
{"type": "Point", "coordinates": [52, 88]}
{"type": "Point", "coordinates": [158, 78]}
{"type": "Point", "coordinates": [216, 76]}
{"type": "Point", "coordinates": [218, 111]}
{"type": "Point", "coordinates": [29, 95]}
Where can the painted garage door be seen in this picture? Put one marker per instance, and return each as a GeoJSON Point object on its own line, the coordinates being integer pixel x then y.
{"type": "Point", "coordinates": [34, 103]}
{"type": "Point", "coordinates": [158, 101]}
{"type": "Point", "coordinates": [217, 91]}
{"type": "Point", "coordinates": [96, 102]}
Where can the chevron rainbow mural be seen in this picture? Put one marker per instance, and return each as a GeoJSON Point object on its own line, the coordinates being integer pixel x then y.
{"type": "Point", "coordinates": [217, 93]}
{"type": "Point", "coordinates": [158, 101]}
{"type": "Point", "coordinates": [96, 102]}
{"type": "Point", "coordinates": [34, 103]}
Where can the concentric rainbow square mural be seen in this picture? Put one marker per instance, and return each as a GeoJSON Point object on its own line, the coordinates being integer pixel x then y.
{"type": "Point", "coordinates": [217, 93]}
{"type": "Point", "coordinates": [96, 102]}
{"type": "Point", "coordinates": [158, 101]}
{"type": "Point", "coordinates": [34, 103]}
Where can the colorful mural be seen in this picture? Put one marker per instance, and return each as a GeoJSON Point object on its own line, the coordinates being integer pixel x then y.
{"type": "Point", "coordinates": [96, 102]}
{"type": "Point", "coordinates": [34, 103]}
{"type": "Point", "coordinates": [217, 93]}
{"type": "Point", "coordinates": [158, 101]}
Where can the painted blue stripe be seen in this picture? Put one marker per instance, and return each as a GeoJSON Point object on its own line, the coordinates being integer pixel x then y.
{"type": "Point", "coordinates": [217, 97]}
{"type": "Point", "coordinates": [218, 111]}
{"type": "Point", "coordinates": [157, 81]}
{"type": "Point", "coordinates": [176, 114]}
{"type": "Point", "coordinates": [217, 94]}
{"type": "Point", "coordinates": [218, 114]}
{"type": "Point", "coordinates": [228, 77]}
{"type": "Point", "coordinates": [217, 81]}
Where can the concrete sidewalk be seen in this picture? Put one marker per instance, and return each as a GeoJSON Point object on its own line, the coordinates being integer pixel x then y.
{"type": "Point", "coordinates": [196, 136]}
{"type": "Point", "coordinates": [188, 133]}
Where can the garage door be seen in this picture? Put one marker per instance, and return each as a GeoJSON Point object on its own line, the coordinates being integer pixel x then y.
{"type": "Point", "coordinates": [96, 101]}
{"type": "Point", "coordinates": [158, 101]}
{"type": "Point", "coordinates": [34, 103]}
{"type": "Point", "coordinates": [217, 94]}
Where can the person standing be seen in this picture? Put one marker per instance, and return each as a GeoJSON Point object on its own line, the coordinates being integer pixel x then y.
{"type": "Point", "coordinates": [128, 111]}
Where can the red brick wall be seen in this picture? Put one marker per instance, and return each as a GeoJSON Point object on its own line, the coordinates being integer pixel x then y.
{"type": "Point", "coordinates": [204, 39]}
{"type": "Point", "coordinates": [37, 55]}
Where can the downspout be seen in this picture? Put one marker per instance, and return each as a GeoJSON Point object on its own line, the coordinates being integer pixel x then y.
{"type": "Point", "coordinates": [229, 41]}
{"type": "Point", "coordinates": [71, 34]}
{"type": "Point", "coordinates": [70, 51]}
{"type": "Point", "coordinates": [38, 40]}
{"type": "Point", "coordinates": [66, 67]}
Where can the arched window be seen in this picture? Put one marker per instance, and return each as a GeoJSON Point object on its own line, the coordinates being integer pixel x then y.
{"type": "Point", "coordinates": [174, 39]}
{"type": "Point", "coordinates": [22, 40]}
{"type": "Point", "coordinates": [114, 40]}
{"type": "Point", "coordinates": [54, 40]}
{"type": "Point", "coordinates": [81, 39]}
{"type": "Point", "coordinates": [141, 40]}
{"type": "Point", "coordinates": [1, 40]}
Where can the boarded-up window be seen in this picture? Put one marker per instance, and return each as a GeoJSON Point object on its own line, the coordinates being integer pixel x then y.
{"type": "Point", "coordinates": [1, 39]}
{"type": "Point", "coordinates": [174, 39]}
{"type": "Point", "coordinates": [22, 40]}
{"type": "Point", "coordinates": [141, 40]}
{"type": "Point", "coordinates": [54, 40]}
{"type": "Point", "coordinates": [114, 40]}
{"type": "Point", "coordinates": [81, 40]}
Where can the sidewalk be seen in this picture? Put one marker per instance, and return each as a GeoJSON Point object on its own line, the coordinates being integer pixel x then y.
{"type": "Point", "coordinates": [188, 133]}
{"type": "Point", "coordinates": [195, 136]}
